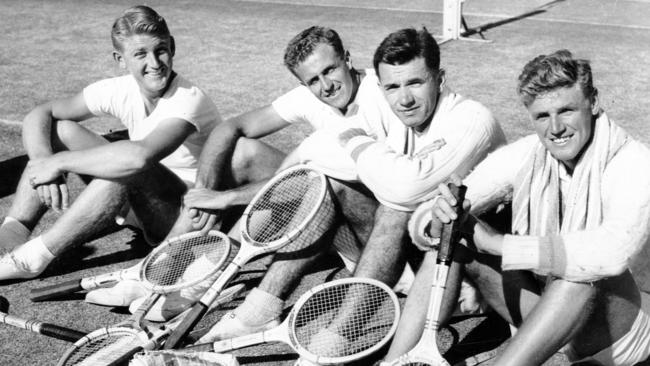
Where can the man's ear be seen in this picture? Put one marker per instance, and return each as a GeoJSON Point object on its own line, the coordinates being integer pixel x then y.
{"type": "Point", "coordinates": [595, 103]}
{"type": "Point", "coordinates": [117, 56]}
{"type": "Point", "coordinates": [348, 60]}
{"type": "Point", "coordinates": [442, 79]}
{"type": "Point", "coordinates": [172, 45]}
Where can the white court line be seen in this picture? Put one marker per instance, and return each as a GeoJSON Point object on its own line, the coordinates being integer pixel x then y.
{"type": "Point", "coordinates": [486, 15]}
{"type": "Point", "coordinates": [10, 123]}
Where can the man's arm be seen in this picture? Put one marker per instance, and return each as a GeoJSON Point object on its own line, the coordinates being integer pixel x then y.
{"type": "Point", "coordinates": [219, 148]}
{"type": "Point", "coordinates": [406, 180]}
{"type": "Point", "coordinates": [37, 125]}
{"type": "Point", "coordinates": [594, 253]}
{"type": "Point", "coordinates": [116, 160]}
{"type": "Point", "coordinates": [203, 198]}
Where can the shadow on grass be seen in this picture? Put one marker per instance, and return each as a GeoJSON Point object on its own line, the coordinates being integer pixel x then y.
{"type": "Point", "coordinates": [484, 27]}
{"type": "Point", "coordinates": [74, 260]}
{"type": "Point", "coordinates": [485, 337]}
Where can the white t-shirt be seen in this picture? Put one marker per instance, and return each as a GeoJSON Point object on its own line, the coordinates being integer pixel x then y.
{"type": "Point", "coordinates": [120, 97]}
{"type": "Point", "coordinates": [301, 105]}
{"type": "Point", "coordinates": [321, 149]}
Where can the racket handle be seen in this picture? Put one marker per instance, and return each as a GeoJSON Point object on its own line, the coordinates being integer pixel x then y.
{"type": "Point", "coordinates": [203, 347]}
{"type": "Point", "coordinates": [191, 319]}
{"type": "Point", "coordinates": [65, 334]}
{"type": "Point", "coordinates": [45, 329]}
{"type": "Point", "coordinates": [54, 291]}
{"type": "Point", "coordinates": [449, 235]}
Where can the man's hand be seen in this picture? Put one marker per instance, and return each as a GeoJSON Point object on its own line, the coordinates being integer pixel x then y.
{"type": "Point", "coordinates": [204, 207]}
{"type": "Point", "coordinates": [49, 182]}
{"type": "Point", "coordinates": [43, 170]}
{"type": "Point", "coordinates": [348, 134]}
{"type": "Point", "coordinates": [443, 211]}
{"type": "Point", "coordinates": [55, 195]}
{"type": "Point", "coordinates": [204, 220]}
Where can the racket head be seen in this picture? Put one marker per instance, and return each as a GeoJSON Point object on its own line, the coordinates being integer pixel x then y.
{"type": "Point", "coordinates": [101, 347]}
{"type": "Point", "coordinates": [285, 206]}
{"type": "Point", "coordinates": [373, 321]}
{"type": "Point", "coordinates": [184, 261]}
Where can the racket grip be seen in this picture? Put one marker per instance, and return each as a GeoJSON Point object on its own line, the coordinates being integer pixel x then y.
{"type": "Point", "coordinates": [54, 291]}
{"type": "Point", "coordinates": [65, 334]}
{"type": "Point", "coordinates": [449, 235]}
{"type": "Point", "coordinates": [203, 347]}
{"type": "Point", "coordinates": [191, 319]}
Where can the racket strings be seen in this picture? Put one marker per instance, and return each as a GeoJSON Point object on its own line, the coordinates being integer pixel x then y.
{"type": "Point", "coordinates": [101, 349]}
{"type": "Point", "coordinates": [344, 320]}
{"type": "Point", "coordinates": [185, 261]}
{"type": "Point", "coordinates": [285, 206]}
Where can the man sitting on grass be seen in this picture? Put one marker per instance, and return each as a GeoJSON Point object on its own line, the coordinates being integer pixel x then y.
{"type": "Point", "coordinates": [438, 133]}
{"type": "Point", "coordinates": [235, 164]}
{"type": "Point", "coordinates": [168, 119]}
{"type": "Point", "coordinates": [580, 217]}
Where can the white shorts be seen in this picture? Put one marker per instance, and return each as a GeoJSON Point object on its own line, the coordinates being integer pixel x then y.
{"type": "Point", "coordinates": [630, 349]}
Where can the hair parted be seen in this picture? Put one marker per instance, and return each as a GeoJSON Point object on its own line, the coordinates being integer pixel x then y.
{"type": "Point", "coordinates": [556, 70]}
{"type": "Point", "coordinates": [139, 19]}
{"type": "Point", "coordinates": [404, 46]}
{"type": "Point", "coordinates": [303, 44]}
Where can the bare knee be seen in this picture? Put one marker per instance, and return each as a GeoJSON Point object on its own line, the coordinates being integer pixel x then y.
{"type": "Point", "coordinates": [253, 160]}
{"type": "Point", "coordinates": [69, 135]}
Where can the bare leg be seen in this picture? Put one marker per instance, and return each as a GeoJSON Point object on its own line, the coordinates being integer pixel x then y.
{"type": "Point", "coordinates": [26, 206]}
{"type": "Point", "coordinates": [384, 255]}
{"type": "Point", "coordinates": [411, 323]}
{"type": "Point", "coordinates": [155, 197]}
{"type": "Point", "coordinates": [252, 161]}
{"type": "Point", "coordinates": [93, 211]}
{"type": "Point", "coordinates": [592, 316]}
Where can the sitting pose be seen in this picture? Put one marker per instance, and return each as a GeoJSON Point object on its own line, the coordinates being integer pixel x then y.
{"type": "Point", "coordinates": [580, 216]}
{"type": "Point", "coordinates": [438, 133]}
{"type": "Point", "coordinates": [234, 163]}
{"type": "Point", "coordinates": [168, 120]}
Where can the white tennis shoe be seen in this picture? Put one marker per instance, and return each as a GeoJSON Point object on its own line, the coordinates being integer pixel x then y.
{"type": "Point", "coordinates": [11, 267]}
{"type": "Point", "coordinates": [123, 293]}
{"type": "Point", "coordinates": [230, 326]}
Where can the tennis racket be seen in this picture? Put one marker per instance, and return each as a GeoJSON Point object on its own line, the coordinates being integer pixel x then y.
{"type": "Point", "coordinates": [188, 260]}
{"type": "Point", "coordinates": [46, 329]}
{"type": "Point", "coordinates": [81, 284]}
{"type": "Point", "coordinates": [292, 210]}
{"type": "Point", "coordinates": [117, 345]}
{"type": "Point", "coordinates": [350, 334]}
{"type": "Point", "coordinates": [425, 352]}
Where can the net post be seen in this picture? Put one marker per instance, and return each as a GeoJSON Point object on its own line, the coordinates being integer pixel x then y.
{"type": "Point", "coordinates": [453, 22]}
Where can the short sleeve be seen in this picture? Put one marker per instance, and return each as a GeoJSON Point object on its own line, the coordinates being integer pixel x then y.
{"type": "Point", "coordinates": [295, 105]}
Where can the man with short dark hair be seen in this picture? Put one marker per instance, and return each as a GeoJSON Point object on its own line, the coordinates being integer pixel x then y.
{"type": "Point", "coordinates": [580, 216]}
{"type": "Point", "coordinates": [438, 133]}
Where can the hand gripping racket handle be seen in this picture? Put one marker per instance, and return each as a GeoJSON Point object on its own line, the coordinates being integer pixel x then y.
{"type": "Point", "coordinates": [450, 232]}
{"type": "Point", "coordinates": [54, 291]}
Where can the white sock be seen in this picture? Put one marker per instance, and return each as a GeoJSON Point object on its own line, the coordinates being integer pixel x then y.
{"type": "Point", "coordinates": [259, 307]}
{"type": "Point", "coordinates": [34, 255]}
{"type": "Point", "coordinates": [13, 233]}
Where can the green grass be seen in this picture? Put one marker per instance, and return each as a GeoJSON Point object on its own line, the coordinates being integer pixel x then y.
{"type": "Point", "coordinates": [233, 50]}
